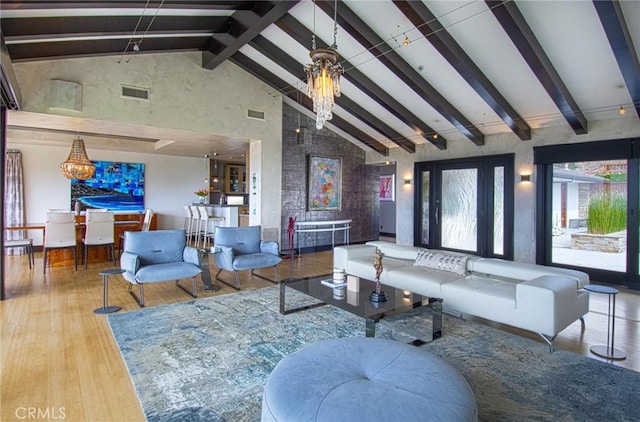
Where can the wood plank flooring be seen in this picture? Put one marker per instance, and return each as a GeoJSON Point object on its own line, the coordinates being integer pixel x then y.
{"type": "Point", "coordinates": [59, 359]}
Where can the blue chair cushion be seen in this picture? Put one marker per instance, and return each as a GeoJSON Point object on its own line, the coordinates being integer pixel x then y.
{"type": "Point", "coordinates": [156, 246]}
{"type": "Point", "coordinates": [165, 272]}
{"type": "Point", "coordinates": [243, 240]}
{"type": "Point", "coordinates": [255, 260]}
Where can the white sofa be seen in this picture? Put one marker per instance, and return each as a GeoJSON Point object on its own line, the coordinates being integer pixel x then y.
{"type": "Point", "coordinates": [532, 297]}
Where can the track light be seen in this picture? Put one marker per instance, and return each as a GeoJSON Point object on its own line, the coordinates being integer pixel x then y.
{"type": "Point", "coordinates": [406, 40]}
{"type": "Point", "coordinates": [622, 110]}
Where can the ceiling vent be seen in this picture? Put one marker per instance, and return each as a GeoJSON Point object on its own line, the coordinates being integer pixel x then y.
{"type": "Point", "coordinates": [255, 114]}
{"type": "Point", "coordinates": [134, 92]}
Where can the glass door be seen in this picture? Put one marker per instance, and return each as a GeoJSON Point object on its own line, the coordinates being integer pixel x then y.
{"type": "Point", "coordinates": [466, 205]}
{"type": "Point", "coordinates": [457, 209]}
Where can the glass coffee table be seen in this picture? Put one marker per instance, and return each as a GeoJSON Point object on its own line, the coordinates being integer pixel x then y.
{"type": "Point", "coordinates": [358, 303]}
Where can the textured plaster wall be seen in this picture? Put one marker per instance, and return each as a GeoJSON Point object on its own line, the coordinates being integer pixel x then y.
{"type": "Point", "coordinates": [183, 95]}
{"type": "Point", "coordinates": [524, 193]}
{"type": "Point", "coordinates": [359, 182]}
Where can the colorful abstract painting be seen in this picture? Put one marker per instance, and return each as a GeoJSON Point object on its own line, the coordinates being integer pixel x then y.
{"type": "Point", "coordinates": [387, 188]}
{"type": "Point", "coordinates": [116, 186]}
{"type": "Point", "coordinates": [325, 183]}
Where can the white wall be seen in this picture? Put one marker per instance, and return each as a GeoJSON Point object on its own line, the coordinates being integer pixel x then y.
{"type": "Point", "coordinates": [524, 194]}
{"type": "Point", "coordinates": [169, 182]}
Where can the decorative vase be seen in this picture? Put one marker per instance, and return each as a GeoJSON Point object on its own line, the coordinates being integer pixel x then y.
{"type": "Point", "coordinates": [201, 199]}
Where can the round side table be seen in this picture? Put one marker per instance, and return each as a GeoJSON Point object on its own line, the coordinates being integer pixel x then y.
{"type": "Point", "coordinates": [607, 351]}
{"type": "Point", "coordinates": [106, 309]}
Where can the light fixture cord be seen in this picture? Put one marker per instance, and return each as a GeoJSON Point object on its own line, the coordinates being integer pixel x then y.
{"type": "Point", "coordinates": [335, 26]}
{"type": "Point", "coordinates": [313, 34]}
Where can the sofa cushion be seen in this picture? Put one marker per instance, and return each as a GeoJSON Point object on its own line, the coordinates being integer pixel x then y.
{"type": "Point", "coordinates": [421, 280]}
{"type": "Point", "coordinates": [394, 250]}
{"type": "Point", "coordinates": [363, 267]}
{"type": "Point", "coordinates": [522, 271]}
{"type": "Point", "coordinates": [444, 261]}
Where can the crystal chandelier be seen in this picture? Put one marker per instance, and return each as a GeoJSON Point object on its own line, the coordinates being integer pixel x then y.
{"type": "Point", "coordinates": [77, 165]}
{"type": "Point", "coordinates": [323, 74]}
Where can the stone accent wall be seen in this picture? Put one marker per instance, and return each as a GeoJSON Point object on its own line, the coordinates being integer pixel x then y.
{"type": "Point", "coordinates": [359, 183]}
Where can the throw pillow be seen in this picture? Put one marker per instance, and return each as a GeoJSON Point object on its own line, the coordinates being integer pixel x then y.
{"type": "Point", "coordinates": [443, 261]}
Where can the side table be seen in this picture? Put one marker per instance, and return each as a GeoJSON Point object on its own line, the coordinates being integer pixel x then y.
{"type": "Point", "coordinates": [106, 309]}
{"type": "Point", "coordinates": [206, 272]}
{"type": "Point", "coordinates": [607, 351]}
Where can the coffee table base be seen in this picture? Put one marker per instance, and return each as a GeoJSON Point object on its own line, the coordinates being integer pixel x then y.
{"type": "Point", "coordinates": [606, 352]}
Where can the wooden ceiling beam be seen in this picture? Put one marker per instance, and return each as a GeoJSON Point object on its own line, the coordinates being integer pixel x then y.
{"type": "Point", "coordinates": [621, 43]}
{"type": "Point", "coordinates": [437, 35]}
{"type": "Point", "coordinates": [285, 89]}
{"type": "Point", "coordinates": [368, 38]}
{"type": "Point", "coordinates": [522, 36]}
{"type": "Point", "coordinates": [253, 22]}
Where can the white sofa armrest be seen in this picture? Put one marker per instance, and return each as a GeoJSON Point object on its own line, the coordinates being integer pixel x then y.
{"type": "Point", "coordinates": [548, 304]}
{"type": "Point", "coordinates": [342, 254]}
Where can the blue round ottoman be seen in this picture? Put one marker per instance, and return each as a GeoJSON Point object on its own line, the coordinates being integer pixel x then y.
{"type": "Point", "coordinates": [366, 379]}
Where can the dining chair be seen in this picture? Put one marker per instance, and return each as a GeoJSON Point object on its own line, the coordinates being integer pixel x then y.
{"type": "Point", "coordinates": [146, 225]}
{"type": "Point", "coordinates": [59, 233]}
{"type": "Point", "coordinates": [22, 243]}
{"type": "Point", "coordinates": [98, 232]}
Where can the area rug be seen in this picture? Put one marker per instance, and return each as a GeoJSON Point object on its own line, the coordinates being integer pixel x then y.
{"type": "Point", "coordinates": [208, 359]}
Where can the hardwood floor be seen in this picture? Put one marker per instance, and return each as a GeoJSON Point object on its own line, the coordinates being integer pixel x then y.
{"type": "Point", "coordinates": [59, 359]}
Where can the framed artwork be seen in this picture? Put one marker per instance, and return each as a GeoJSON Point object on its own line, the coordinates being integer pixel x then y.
{"type": "Point", "coordinates": [116, 186]}
{"type": "Point", "coordinates": [387, 187]}
{"type": "Point", "coordinates": [325, 183]}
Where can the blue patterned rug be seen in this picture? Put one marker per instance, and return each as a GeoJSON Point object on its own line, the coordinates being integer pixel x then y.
{"type": "Point", "coordinates": [208, 359]}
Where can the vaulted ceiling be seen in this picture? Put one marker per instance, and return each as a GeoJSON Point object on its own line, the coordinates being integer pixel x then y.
{"type": "Point", "coordinates": [416, 72]}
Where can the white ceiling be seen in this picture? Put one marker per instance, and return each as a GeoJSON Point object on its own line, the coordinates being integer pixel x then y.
{"type": "Point", "coordinates": [570, 33]}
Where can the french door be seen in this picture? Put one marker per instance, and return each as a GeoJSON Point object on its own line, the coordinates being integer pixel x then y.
{"type": "Point", "coordinates": [466, 205]}
{"type": "Point", "coordinates": [588, 200]}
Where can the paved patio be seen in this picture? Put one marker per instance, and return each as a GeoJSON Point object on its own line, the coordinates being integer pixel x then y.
{"type": "Point", "coordinates": [563, 254]}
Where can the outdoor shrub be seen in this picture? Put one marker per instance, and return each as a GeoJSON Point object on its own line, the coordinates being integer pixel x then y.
{"type": "Point", "coordinates": [607, 213]}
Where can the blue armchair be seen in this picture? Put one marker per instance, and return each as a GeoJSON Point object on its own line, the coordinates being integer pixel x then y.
{"type": "Point", "coordinates": [240, 248]}
{"type": "Point", "coordinates": [156, 256]}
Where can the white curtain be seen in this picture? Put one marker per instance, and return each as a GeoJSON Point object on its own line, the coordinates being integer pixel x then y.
{"type": "Point", "coordinates": [14, 199]}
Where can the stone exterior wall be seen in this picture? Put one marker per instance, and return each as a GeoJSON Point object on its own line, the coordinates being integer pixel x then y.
{"type": "Point", "coordinates": [612, 242]}
{"type": "Point", "coordinates": [359, 183]}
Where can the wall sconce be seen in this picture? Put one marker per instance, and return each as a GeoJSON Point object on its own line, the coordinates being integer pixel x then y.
{"type": "Point", "coordinates": [407, 181]}
{"type": "Point", "coordinates": [525, 178]}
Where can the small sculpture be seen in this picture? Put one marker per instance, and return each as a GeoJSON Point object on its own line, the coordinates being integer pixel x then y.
{"type": "Point", "coordinates": [378, 295]}
{"type": "Point", "coordinates": [290, 231]}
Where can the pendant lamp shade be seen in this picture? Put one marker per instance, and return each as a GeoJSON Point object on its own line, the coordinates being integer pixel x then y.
{"type": "Point", "coordinates": [77, 165]}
